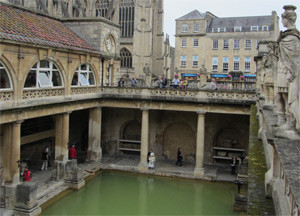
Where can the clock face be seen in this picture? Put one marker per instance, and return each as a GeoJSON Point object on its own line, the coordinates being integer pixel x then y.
{"type": "Point", "coordinates": [108, 44]}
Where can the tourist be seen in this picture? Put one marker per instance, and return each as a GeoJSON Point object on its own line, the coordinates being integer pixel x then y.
{"type": "Point", "coordinates": [184, 83]}
{"type": "Point", "coordinates": [151, 161]}
{"type": "Point", "coordinates": [148, 155]}
{"type": "Point", "coordinates": [27, 175]}
{"type": "Point", "coordinates": [179, 157]}
{"type": "Point", "coordinates": [45, 160]}
{"type": "Point", "coordinates": [175, 81]}
{"type": "Point", "coordinates": [72, 152]}
{"type": "Point", "coordinates": [159, 82]}
{"type": "Point", "coordinates": [49, 155]}
{"type": "Point", "coordinates": [164, 81]}
{"type": "Point", "coordinates": [233, 165]}
{"type": "Point", "coordinates": [133, 82]}
{"type": "Point", "coordinates": [213, 84]}
{"type": "Point", "coordinates": [121, 82]}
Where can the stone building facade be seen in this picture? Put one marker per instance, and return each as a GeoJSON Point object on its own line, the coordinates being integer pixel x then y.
{"type": "Point", "coordinates": [220, 45]}
{"type": "Point", "coordinates": [141, 42]}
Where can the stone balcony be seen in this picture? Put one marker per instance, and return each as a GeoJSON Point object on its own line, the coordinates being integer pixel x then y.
{"type": "Point", "coordinates": [35, 97]}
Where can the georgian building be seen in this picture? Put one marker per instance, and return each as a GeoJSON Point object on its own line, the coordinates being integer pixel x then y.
{"type": "Point", "coordinates": [141, 24]}
{"type": "Point", "coordinates": [221, 45]}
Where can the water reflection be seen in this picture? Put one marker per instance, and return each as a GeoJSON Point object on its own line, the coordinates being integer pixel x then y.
{"type": "Point", "coordinates": [125, 194]}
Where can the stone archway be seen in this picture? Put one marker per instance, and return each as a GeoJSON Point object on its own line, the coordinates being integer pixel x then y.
{"type": "Point", "coordinates": [228, 138]}
{"type": "Point", "coordinates": [179, 135]}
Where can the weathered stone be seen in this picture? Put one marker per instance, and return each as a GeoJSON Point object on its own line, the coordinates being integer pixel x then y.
{"type": "Point", "coordinates": [58, 170]}
{"type": "Point", "coordinates": [240, 202]}
{"type": "Point", "coordinates": [73, 175]}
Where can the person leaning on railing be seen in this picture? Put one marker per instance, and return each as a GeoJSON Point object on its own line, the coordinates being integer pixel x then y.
{"type": "Point", "coordinates": [213, 84]}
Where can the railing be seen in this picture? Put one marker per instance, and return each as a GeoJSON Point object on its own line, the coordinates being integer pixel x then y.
{"type": "Point", "coordinates": [171, 94]}
{"type": "Point", "coordinates": [42, 93]}
{"type": "Point", "coordinates": [6, 95]}
{"type": "Point", "coordinates": [83, 90]}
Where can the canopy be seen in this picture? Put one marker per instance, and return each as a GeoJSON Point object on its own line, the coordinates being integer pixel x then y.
{"type": "Point", "coordinates": [189, 74]}
{"type": "Point", "coordinates": [249, 75]}
{"type": "Point", "coordinates": [219, 75]}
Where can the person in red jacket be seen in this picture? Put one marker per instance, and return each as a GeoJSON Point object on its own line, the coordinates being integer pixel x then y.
{"type": "Point", "coordinates": [27, 175]}
{"type": "Point", "coordinates": [72, 152]}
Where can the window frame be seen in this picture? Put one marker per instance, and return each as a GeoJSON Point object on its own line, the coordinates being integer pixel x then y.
{"type": "Point", "coordinates": [183, 61]}
{"type": "Point", "coordinates": [197, 29]}
{"type": "Point", "coordinates": [184, 27]}
{"type": "Point", "coordinates": [196, 41]}
{"type": "Point", "coordinates": [225, 63]}
{"type": "Point", "coordinates": [215, 62]}
{"type": "Point", "coordinates": [227, 45]}
{"type": "Point", "coordinates": [237, 28]}
{"type": "Point", "coordinates": [247, 65]}
{"type": "Point", "coordinates": [215, 44]}
{"type": "Point", "coordinates": [195, 61]}
{"type": "Point", "coordinates": [236, 44]}
{"type": "Point", "coordinates": [83, 76]}
{"type": "Point", "coordinates": [183, 42]}
{"type": "Point", "coordinates": [38, 70]}
{"type": "Point", "coordinates": [265, 26]}
{"type": "Point", "coordinates": [236, 63]}
{"type": "Point", "coordinates": [254, 28]}
{"type": "Point", "coordinates": [248, 44]}
{"type": "Point", "coordinates": [3, 67]}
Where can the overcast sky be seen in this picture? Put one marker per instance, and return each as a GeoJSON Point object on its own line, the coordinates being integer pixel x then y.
{"type": "Point", "coordinates": [175, 9]}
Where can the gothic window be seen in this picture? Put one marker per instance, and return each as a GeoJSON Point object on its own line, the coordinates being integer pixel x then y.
{"type": "Point", "coordinates": [5, 81]}
{"type": "Point", "coordinates": [44, 74]}
{"type": "Point", "coordinates": [84, 76]}
{"type": "Point", "coordinates": [126, 18]}
{"type": "Point", "coordinates": [101, 8]}
{"type": "Point", "coordinates": [126, 58]}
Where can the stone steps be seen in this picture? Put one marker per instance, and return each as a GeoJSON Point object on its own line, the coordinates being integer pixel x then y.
{"type": "Point", "coordinates": [49, 191]}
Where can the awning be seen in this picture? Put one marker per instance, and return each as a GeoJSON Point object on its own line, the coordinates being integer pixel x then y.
{"type": "Point", "coordinates": [219, 75]}
{"type": "Point", "coordinates": [249, 75]}
{"type": "Point", "coordinates": [188, 75]}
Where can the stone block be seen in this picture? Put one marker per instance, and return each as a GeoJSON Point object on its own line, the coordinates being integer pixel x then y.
{"type": "Point", "coordinates": [2, 197]}
{"type": "Point", "coordinates": [240, 203]}
{"type": "Point", "coordinates": [73, 175]}
{"type": "Point", "coordinates": [58, 170]}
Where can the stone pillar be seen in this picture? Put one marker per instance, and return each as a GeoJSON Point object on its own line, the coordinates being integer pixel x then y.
{"type": "Point", "coordinates": [15, 153]}
{"type": "Point", "coordinates": [144, 140]}
{"type": "Point", "coordinates": [199, 169]}
{"type": "Point", "coordinates": [94, 149]}
{"type": "Point", "coordinates": [61, 144]}
{"type": "Point", "coordinates": [26, 200]}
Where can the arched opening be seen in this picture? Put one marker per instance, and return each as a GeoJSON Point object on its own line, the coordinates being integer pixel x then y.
{"type": "Point", "coordinates": [84, 76]}
{"type": "Point", "coordinates": [126, 58]}
{"type": "Point", "coordinates": [101, 8]}
{"type": "Point", "coordinates": [179, 135]}
{"type": "Point", "coordinates": [44, 74]}
{"type": "Point", "coordinates": [130, 142]}
{"type": "Point", "coordinates": [5, 80]}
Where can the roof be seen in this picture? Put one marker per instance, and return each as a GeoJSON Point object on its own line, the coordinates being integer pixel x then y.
{"type": "Point", "coordinates": [21, 25]}
{"type": "Point", "coordinates": [192, 15]}
{"type": "Point", "coordinates": [245, 22]}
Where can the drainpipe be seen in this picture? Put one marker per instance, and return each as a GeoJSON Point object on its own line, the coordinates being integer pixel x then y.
{"type": "Point", "coordinates": [102, 74]}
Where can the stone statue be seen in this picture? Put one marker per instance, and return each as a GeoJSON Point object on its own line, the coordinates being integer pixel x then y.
{"type": "Point", "coordinates": [287, 97]}
{"type": "Point", "coordinates": [148, 74]}
{"type": "Point", "coordinates": [267, 76]}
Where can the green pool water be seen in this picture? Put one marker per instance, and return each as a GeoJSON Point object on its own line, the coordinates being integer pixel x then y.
{"type": "Point", "coordinates": [112, 193]}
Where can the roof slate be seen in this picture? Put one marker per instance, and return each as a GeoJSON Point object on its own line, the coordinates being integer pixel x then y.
{"type": "Point", "coordinates": [245, 22]}
{"type": "Point", "coordinates": [25, 26]}
{"type": "Point", "coordinates": [192, 15]}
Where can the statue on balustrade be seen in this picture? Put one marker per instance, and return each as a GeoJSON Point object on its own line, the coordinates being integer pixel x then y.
{"type": "Point", "coordinates": [267, 75]}
{"type": "Point", "coordinates": [148, 75]}
{"type": "Point", "coordinates": [287, 95]}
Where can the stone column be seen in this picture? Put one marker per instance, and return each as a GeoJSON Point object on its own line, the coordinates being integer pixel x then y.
{"type": "Point", "coordinates": [199, 169]}
{"type": "Point", "coordinates": [61, 144]}
{"type": "Point", "coordinates": [94, 149]}
{"type": "Point", "coordinates": [15, 153]}
{"type": "Point", "coordinates": [144, 140]}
